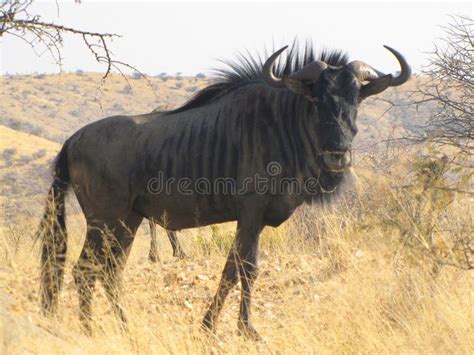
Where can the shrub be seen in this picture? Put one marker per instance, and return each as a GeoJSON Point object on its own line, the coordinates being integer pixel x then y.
{"type": "Point", "coordinates": [8, 153]}
{"type": "Point", "coordinates": [191, 89]}
{"type": "Point", "coordinates": [14, 123]}
{"type": "Point", "coordinates": [25, 159]}
{"type": "Point", "coordinates": [136, 75]}
{"type": "Point", "coordinates": [118, 108]}
{"type": "Point", "coordinates": [127, 89]}
{"type": "Point", "coordinates": [39, 154]}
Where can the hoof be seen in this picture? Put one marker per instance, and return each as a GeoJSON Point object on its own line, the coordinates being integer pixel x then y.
{"type": "Point", "coordinates": [153, 258]}
{"type": "Point", "coordinates": [248, 331]}
{"type": "Point", "coordinates": [180, 255]}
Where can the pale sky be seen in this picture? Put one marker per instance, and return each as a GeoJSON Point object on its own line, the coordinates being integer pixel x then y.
{"type": "Point", "coordinates": [191, 37]}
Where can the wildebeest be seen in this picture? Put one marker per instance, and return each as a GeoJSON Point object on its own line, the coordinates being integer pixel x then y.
{"type": "Point", "coordinates": [273, 123]}
{"type": "Point", "coordinates": [173, 238]}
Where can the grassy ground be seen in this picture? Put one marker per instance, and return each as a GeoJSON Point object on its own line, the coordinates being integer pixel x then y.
{"type": "Point", "coordinates": [352, 277]}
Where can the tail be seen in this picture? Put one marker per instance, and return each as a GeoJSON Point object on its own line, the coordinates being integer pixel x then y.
{"type": "Point", "coordinates": [52, 231]}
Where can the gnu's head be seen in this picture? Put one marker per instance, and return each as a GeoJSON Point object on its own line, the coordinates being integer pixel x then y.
{"type": "Point", "coordinates": [336, 93]}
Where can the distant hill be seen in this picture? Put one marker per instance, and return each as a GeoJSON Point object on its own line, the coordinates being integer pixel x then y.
{"type": "Point", "coordinates": [54, 106]}
{"type": "Point", "coordinates": [25, 161]}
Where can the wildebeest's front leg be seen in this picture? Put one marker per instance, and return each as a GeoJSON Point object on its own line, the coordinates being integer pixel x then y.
{"type": "Point", "coordinates": [177, 248]}
{"type": "Point", "coordinates": [242, 260]}
{"type": "Point", "coordinates": [228, 280]}
{"type": "Point", "coordinates": [247, 246]}
{"type": "Point", "coordinates": [153, 254]}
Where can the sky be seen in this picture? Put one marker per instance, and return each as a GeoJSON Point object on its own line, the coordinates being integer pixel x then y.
{"type": "Point", "coordinates": [191, 37]}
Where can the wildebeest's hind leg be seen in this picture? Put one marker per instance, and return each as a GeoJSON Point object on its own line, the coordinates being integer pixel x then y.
{"type": "Point", "coordinates": [104, 255]}
{"type": "Point", "coordinates": [120, 243]}
{"type": "Point", "coordinates": [177, 248]}
{"type": "Point", "coordinates": [153, 254]}
{"type": "Point", "coordinates": [242, 260]}
{"type": "Point", "coordinates": [85, 274]}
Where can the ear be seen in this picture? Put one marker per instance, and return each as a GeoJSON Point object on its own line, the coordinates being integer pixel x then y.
{"type": "Point", "coordinates": [375, 87]}
{"type": "Point", "coordinates": [297, 86]}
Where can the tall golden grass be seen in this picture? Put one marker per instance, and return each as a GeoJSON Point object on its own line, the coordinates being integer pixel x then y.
{"type": "Point", "coordinates": [362, 275]}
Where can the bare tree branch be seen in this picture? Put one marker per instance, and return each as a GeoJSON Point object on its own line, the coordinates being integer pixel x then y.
{"type": "Point", "coordinates": [450, 89]}
{"type": "Point", "coordinates": [16, 20]}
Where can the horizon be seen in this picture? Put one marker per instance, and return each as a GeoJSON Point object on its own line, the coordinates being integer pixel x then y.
{"type": "Point", "coordinates": [195, 32]}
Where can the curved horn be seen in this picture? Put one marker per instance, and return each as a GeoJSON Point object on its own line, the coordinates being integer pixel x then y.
{"type": "Point", "coordinates": [310, 72]}
{"type": "Point", "coordinates": [365, 72]}
{"type": "Point", "coordinates": [267, 70]}
{"type": "Point", "coordinates": [405, 72]}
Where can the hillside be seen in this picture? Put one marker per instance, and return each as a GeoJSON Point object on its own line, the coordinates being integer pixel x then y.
{"type": "Point", "coordinates": [24, 171]}
{"type": "Point", "coordinates": [54, 106]}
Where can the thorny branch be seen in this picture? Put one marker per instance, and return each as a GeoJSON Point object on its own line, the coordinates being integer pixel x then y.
{"type": "Point", "coordinates": [450, 89]}
{"type": "Point", "coordinates": [445, 99]}
{"type": "Point", "coordinates": [41, 36]}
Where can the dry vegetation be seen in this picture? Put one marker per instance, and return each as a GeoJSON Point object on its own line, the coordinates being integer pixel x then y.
{"type": "Point", "coordinates": [367, 274]}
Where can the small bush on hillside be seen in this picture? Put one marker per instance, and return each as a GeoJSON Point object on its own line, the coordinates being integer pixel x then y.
{"type": "Point", "coordinates": [13, 123]}
{"type": "Point", "coordinates": [8, 153]}
{"type": "Point", "coordinates": [200, 75]}
{"type": "Point", "coordinates": [39, 154]}
{"type": "Point", "coordinates": [25, 159]}
{"type": "Point", "coordinates": [127, 89]}
{"type": "Point", "coordinates": [163, 76]}
{"type": "Point", "coordinates": [191, 89]}
{"type": "Point", "coordinates": [179, 85]}
{"type": "Point", "coordinates": [136, 75]}
{"type": "Point", "coordinates": [118, 108]}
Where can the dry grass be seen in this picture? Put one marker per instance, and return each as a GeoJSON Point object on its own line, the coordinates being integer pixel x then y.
{"type": "Point", "coordinates": [354, 277]}
{"type": "Point", "coordinates": [359, 287]}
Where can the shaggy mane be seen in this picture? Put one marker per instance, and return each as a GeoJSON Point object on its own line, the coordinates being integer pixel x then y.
{"type": "Point", "coordinates": [248, 69]}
